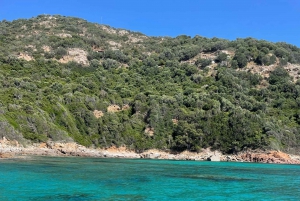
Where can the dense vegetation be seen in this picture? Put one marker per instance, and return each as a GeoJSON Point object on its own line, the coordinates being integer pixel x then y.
{"type": "Point", "coordinates": [178, 98]}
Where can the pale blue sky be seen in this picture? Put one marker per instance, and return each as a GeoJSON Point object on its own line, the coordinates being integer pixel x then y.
{"type": "Point", "coordinates": [272, 20]}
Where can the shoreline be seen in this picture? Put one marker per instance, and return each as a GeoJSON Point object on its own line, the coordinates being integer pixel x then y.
{"type": "Point", "coordinates": [12, 149]}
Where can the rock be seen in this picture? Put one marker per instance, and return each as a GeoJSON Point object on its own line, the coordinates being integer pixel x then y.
{"type": "Point", "coordinates": [215, 157]}
{"type": "Point", "coordinates": [154, 155]}
{"type": "Point", "coordinates": [7, 155]}
{"type": "Point", "coordinates": [151, 155]}
{"type": "Point", "coordinates": [9, 149]}
{"type": "Point", "coordinates": [113, 108]}
{"type": "Point", "coordinates": [75, 54]}
{"type": "Point", "coordinates": [279, 154]}
{"type": "Point", "coordinates": [98, 113]}
{"type": "Point", "coordinates": [269, 157]}
{"type": "Point", "coordinates": [149, 131]}
{"type": "Point", "coordinates": [228, 158]}
{"type": "Point", "coordinates": [43, 145]}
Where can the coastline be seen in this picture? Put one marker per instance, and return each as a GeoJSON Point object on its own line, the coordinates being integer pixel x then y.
{"type": "Point", "coordinates": [12, 149]}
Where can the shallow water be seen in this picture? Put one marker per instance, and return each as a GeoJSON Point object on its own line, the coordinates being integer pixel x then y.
{"type": "Point", "coordinates": [76, 179]}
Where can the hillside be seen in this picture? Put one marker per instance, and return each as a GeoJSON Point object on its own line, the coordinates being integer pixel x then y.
{"type": "Point", "coordinates": [65, 79]}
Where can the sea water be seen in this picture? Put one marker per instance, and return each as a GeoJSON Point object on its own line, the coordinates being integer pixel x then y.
{"type": "Point", "coordinates": [75, 179]}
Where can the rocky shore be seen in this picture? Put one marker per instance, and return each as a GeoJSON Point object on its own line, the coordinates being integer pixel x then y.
{"type": "Point", "coordinates": [12, 149]}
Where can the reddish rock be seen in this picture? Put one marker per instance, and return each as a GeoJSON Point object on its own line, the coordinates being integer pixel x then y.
{"type": "Point", "coordinates": [6, 155]}
{"type": "Point", "coordinates": [268, 157]}
{"type": "Point", "coordinates": [279, 154]}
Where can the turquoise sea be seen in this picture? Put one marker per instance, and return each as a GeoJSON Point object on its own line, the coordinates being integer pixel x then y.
{"type": "Point", "coordinates": [76, 179]}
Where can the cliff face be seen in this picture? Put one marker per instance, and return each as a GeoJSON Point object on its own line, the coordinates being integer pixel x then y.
{"type": "Point", "coordinates": [67, 80]}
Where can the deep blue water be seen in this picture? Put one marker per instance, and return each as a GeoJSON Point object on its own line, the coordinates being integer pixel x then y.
{"type": "Point", "coordinates": [53, 178]}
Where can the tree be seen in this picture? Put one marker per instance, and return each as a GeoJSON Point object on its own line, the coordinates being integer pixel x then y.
{"type": "Point", "coordinates": [221, 57]}
{"type": "Point", "coordinates": [279, 75]}
{"type": "Point", "coordinates": [203, 62]}
{"type": "Point", "coordinates": [281, 52]}
{"type": "Point", "coordinates": [234, 64]}
{"type": "Point", "coordinates": [186, 136]}
{"type": "Point", "coordinates": [60, 52]}
{"type": "Point", "coordinates": [241, 60]}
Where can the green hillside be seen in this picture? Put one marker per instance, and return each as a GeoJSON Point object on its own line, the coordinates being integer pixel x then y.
{"type": "Point", "coordinates": [66, 79]}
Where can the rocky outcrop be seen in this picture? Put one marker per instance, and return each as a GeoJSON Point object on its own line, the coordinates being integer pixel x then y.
{"type": "Point", "coordinates": [117, 108]}
{"type": "Point", "coordinates": [77, 55]}
{"type": "Point", "coordinates": [113, 108]}
{"type": "Point", "coordinates": [12, 149]}
{"type": "Point", "coordinates": [98, 113]}
{"type": "Point", "coordinates": [149, 131]}
{"type": "Point", "coordinates": [151, 155]}
{"type": "Point", "coordinates": [269, 157]}
{"type": "Point", "coordinates": [205, 154]}
{"type": "Point", "coordinates": [215, 157]}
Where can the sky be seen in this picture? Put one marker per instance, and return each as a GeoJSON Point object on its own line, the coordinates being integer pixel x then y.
{"type": "Point", "coordinates": [271, 20]}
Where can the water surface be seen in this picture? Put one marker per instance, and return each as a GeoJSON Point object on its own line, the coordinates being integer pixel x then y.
{"type": "Point", "coordinates": [54, 178]}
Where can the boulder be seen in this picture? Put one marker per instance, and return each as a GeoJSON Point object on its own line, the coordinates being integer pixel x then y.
{"type": "Point", "coordinates": [215, 157]}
